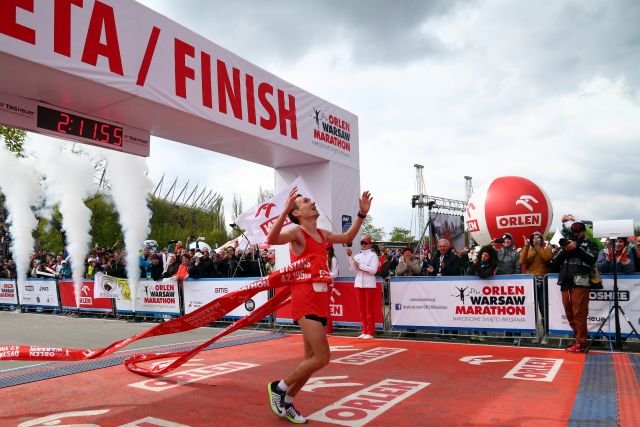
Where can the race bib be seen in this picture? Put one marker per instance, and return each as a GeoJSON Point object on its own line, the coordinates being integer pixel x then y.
{"type": "Point", "coordinates": [320, 287]}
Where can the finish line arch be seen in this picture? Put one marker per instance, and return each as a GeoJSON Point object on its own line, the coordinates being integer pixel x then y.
{"type": "Point", "coordinates": [113, 72]}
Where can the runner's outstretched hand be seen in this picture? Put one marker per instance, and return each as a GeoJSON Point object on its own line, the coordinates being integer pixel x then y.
{"type": "Point", "coordinates": [365, 202]}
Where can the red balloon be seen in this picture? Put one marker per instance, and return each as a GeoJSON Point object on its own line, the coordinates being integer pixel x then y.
{"type": "Point", "coordinates": [510, 204]}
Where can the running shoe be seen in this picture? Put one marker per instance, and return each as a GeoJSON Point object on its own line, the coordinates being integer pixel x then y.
{"type": "Point", "coordinates": [362, 336]}
{"type": "Point", "coordinates": [367, 337]}
{"type": "Point", "coordinates": [292, 414]}
{"type": "Point", "coordinates": [576, 348]}
{"type": "Point", "coordinates": [276, 398]}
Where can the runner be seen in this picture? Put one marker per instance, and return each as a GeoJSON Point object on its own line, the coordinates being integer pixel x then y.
{"type": "Point", "coordinates": [309, 301]}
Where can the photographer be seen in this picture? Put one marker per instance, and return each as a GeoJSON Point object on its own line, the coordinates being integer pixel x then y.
{"type": "Point", "coordinates": [574, 261]}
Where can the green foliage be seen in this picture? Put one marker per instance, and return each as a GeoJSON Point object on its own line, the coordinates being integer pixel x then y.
{"type": "Point", "coordinates": [14, 138]}
{"type": "Point", "coordinates": [168, 222]}
{"type": "Point", "coordinates": [171, 222]}
{"type": "Point", "coordinates": [399, 234]}
{"type": "Point", "coordinates": [368, 229]}
{"type": "Point", "coordinates": [105, 228]}
{"type": "Point", "coordinates": [48, 236]}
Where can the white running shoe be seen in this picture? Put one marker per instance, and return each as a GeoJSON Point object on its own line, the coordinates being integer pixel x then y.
{"type": "Point", "coordinates": [292, 414]}
{"type": "Point", "coordinates": [361, 336]}
{"type": "Point", "coordinates": [367, 337]}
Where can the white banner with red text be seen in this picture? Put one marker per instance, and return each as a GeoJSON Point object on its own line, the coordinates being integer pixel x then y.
{"type": "Point", "coordinates": [198, 293]}
{"type": "Point", "coordinates": [125, 46]}
{"type": "Point", "coordinates": [8, 292]}
{"type": "Point", "coordinates": [503, 303]}
{"type": "Point", "coordinates": [600, 303]}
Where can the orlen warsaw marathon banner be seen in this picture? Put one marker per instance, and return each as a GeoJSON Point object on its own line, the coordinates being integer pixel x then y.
{"type": "Point", "coordinates": [150, 297]}
{"type": "Point", "coordinates": [501, 302]}
{"type": "Point", "coordinates": [8, 294]}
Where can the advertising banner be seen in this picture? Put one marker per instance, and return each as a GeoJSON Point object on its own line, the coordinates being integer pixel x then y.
{"type": "Point", "coordinates": [501, 302]}
{"type": "Point", "coordinates": [198, 293]}
{"type": "Point", "coordinates": [343, 305]}
{"type": "Point", "coordinates": [450, 227]}
{"type": "Point", "coordinates": [87, 300]}
{"type": "Point", "coordinates": [111, 287]}
{"type": "Point", "coordinates": [39, 292]}
{"type": "Point", "coordinates": [600, 302]}
{"type": "Point", "coordinates": [8, 294]}
{"type": "Point", "coordinates": [152, 297]}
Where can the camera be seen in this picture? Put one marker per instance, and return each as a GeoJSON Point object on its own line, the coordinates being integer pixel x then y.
{"type": "Point", "coordinates": [499, 240]}
{"type": "Point", "coordinates": [568, 237]}
{"type": "Point", "coordinates": [563, 242]}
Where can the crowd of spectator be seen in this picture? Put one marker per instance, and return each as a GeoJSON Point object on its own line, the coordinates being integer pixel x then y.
{"type": "Point", "coordinates": [500, 257]}
{"type": "Point", "coordinates": [197, 260]}
{"type": "Point", "coordinates": [194, 260]}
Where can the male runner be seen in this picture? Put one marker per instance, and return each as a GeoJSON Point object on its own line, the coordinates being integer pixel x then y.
{"type": "Point", "coordinates": [309, 301]}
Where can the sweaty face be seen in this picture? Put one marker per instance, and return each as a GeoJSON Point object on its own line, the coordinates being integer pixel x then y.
{"type": "Point", "coordinates": [306, 207]}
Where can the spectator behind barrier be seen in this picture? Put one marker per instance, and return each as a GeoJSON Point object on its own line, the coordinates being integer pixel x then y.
{"type": "Point", "coordinates": [624, 263]}
{"type": "Point", "coordinates": [445, 261]}
{"type": "Point", "coordinates": [408, 265]}
{"type": "Point", "coordinates": [508, 258]}
{"type": "Point", "coordinates": [484, 265]}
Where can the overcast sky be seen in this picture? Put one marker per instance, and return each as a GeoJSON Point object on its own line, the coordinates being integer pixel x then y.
{"type": "Point", "coordinates": [547, 90]}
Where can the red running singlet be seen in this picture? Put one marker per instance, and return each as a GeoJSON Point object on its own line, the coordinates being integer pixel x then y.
{"type": "Point", "coordinates": [309, 297]}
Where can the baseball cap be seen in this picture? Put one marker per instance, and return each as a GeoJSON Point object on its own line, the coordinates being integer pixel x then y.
{"type": "Point", "coordinates": [578, 226]}
{"type": "Point", "coordinates": [507, 236]}
{"type": "Point", "coordinates": [366, 240]}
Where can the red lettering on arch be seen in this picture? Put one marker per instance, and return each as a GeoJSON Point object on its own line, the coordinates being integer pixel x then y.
{"type": "Point", "coordinates": [9, 20]}
{"type": "Point", "coordinates": [182, 71]}
{"type": "Point", "coordinates": [287, 114]}
{"type": "Point", "coordinates": [226, 89]}
{"type": "Point", "coordinates": [62, 26]}
{"type": "Point", "coordinates": [271, 120]}
{"type": "Point", "coordinates": [102, 17]}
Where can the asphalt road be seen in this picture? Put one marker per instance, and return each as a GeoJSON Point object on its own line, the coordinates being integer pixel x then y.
{"type": "Point", "coordinates": [86, 333]}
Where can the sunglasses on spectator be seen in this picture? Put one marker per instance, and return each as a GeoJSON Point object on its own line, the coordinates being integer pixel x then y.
{"type": "Point", "coordinates": [364, 243]}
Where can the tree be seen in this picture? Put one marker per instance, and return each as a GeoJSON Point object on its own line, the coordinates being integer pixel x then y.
{"type": "Point", "coordinates": [14, 138]}
{"type": "Point", "coordinates": [236, 206]}
{"type": "Point", "coordinates": [368, 229]}
{"type": "Point", "coordinates": [399, 234]}
{"type": "Point", "coordinates": [264, 194]}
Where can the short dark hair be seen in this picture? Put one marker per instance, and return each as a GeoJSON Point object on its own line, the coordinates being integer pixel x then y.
{"type": "Point", "coordinates": [290, 215]}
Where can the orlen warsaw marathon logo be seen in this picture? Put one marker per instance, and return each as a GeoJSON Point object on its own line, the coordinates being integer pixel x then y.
{"type": "Point", "coordinates": [492, 300]}
{"type": "Point", "coordinates": [333, 131]}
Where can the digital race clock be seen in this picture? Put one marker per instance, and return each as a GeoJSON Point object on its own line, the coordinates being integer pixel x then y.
{"type": "Point", "coordinates": [58, 122]}
{"type": "Point", "coordinates": [73, 124]}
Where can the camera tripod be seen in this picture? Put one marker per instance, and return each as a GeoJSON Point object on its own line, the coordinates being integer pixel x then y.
{"type": "Point", "coordinates": [616, 309]}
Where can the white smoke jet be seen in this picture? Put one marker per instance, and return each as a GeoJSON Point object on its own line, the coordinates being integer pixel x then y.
{"type": "Point", "coordinates": [19, 181]}
{"type": "Point", "coordinates": [130, 189]}
{"type": "Point", "coordinates": [69, 180]}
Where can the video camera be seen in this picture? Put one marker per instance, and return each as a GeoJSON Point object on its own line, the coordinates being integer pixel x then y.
{"type": "Point", "coordinates": [568, 238]}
